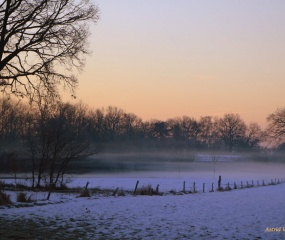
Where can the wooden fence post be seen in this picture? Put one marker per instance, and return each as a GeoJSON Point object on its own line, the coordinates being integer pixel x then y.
{"type": "Point", "coordinates": [136, 187]}
{"type": "Point", "coordinates": [219, 183]}
{"type": "Point", "coordinates": [194, 188]}
{"type": "Point", "coordinates": [203, 187]}
{"type": "Point", "coordinates": [184, 186]}
{"type": "Point", "coordinates": [157, 189]}
{"type": "Point", "coordinates": [212, 187]}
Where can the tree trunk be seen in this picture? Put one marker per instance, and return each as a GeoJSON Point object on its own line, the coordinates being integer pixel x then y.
{"type": "Point", "coordinates": [51, 186]}
{"type": "Point", "coordinates": [33, 173]}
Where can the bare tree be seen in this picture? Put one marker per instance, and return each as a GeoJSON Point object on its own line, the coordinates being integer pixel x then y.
{"type": "Point", "coordinates": [160, 130]}
{"type": "Point", "coordinates": [11, 124]}
{"type": "Point", "coordinates": [276, 127]}
{"type": "Point", "coordinates": [42, 42]}
{"type": "Point", "coordinates": [57, 137]}
{"type": "Point", "coordinates": [113, 122]}
{"type": "Point", "coordinates": [96, 125]}
{"type": "Point", "coordinates": [207, 134]}
{"type": "Point", "coordinates": [186, 129]}
{"type": "Point", "coordinates": [130, 126]}
{"type": "Point", "coordinates": [254, 135]}
{"type": "Point", "coordinates": [231, 129]}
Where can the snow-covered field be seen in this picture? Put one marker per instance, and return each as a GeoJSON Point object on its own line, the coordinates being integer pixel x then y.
{"type": "Point", "coordinates": [248, 213]}
{"type": "Point", "coordinates": [252, 213]}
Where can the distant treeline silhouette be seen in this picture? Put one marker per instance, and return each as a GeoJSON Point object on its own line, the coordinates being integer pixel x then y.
{"type": "Point", "coordinates": [51, 134]}
{"type": "Point", "coordinates": [114, 129]}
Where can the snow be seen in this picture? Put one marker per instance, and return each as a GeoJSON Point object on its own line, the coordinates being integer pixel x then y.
{"type": "Point", "coordinates": [249, 213]}
{"type": "Point", "coordinates": [216, 158]}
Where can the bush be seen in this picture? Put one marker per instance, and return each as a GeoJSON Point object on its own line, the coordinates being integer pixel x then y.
{"type": "Point", "coordinates": [2, 185]}
{"type": "Point", "coordinates": [22, 197]}
{"type": "Point", "coordinates": [121, 193]}
{"type": "Point", "coordinates": [173, 191]}
{"type": "Point", "coordinates": [85, 193]}
{"type": "Point", "coordinates": [147, 190]}
{"type": "Point", "coordinates": [4, 198]}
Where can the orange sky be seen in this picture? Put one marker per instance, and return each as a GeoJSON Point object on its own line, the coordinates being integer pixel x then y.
{"type": "Point", "coordinates": [162, 59]}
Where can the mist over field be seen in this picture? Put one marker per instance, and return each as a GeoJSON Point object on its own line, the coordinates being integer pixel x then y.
{"type": "Point", "coordinates": [182, 165]}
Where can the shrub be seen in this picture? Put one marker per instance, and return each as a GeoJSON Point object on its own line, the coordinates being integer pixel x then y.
{"type": "Point", "coordinates": [228, 188]}
{"type": "Point", "coordinates": [2, 185]}
{"type": "Point", "coordinates": [4, 198]}
{"type": "Point", "coordinates": [22, 197]}
{"type": "Point", "coordinates": [121, 193]}
{"type": "Point", "coordinates": [85, 193]}
{"type": "Point", "coordinates": [173, 191]}
{"type": "Point", "coordinates": [147, 190]}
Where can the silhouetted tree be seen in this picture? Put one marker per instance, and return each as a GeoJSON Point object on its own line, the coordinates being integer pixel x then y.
{"type": "Point", "coordinates": [12, 125]}
{"type": "Point", "coordinates": [207, 135]}
{"type": "Point", "coordinates": [41, 43]}
{"type": "Point", "coordinates": [96, 125]}
{"type": "Point", "coordinates": [113, 122]}
{"type": "Point", "coordinates": [160, 130]}
{"type": "Point", "coordinates": [188, 130]}
{"type": "Point", "coordinates": [57, 137]}
{"type": "Point", "coordinates": [254, 135]}
{"type": "Point", "coordinates": [176, 134]}
{"type": "Point", "coordinates": [11, 121]}
{"type": "Point", "coordinates": [276, 127]}
{"type": "Point", "coordinates": [130, 126]}
{"type": "Point", "coordinates": [231, 129]}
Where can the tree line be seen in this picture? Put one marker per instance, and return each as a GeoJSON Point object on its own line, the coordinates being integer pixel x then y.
{"type": "Point", "coordinates": [23, 126]}
{"type": "Point", "coordinates": [46, 136]}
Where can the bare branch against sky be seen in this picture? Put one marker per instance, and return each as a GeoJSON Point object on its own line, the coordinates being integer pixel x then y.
{"type": "Point", "coordinates": [42, 43]}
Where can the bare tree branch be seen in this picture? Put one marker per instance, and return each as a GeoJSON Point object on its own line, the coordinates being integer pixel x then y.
{"type": "Point", "coordinates": [276, 127]}
{"type": "Point", "coordinates": [42, 43]}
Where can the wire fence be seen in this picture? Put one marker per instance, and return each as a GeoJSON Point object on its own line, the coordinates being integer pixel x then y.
{"type": "Point", "coordinates": [186, 187]}
{"type": "Point", "coordinates": [212, 187]}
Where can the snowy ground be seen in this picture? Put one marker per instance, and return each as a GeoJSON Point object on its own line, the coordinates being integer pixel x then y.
{"type": "Point", "coordinates": [251, 213]}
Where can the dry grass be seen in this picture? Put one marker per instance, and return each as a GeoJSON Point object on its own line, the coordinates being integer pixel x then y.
{"type": "Point", "coordinates": [85, 193]}
{"type": "Point", "coordinates": [2, 185]}
{"type": "Point", "coordinates": [147, 190]}
{"type": "Point", "coordinates": [22, 197]}
{"type": "Point", "coordinates": [4, 198]}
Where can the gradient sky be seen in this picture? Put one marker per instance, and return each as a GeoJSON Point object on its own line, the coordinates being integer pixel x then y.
{"type": "Point", "coordinates": [166, 58]}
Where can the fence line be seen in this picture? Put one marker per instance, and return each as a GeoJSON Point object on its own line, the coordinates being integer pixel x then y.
{"type": "Point", "coordinates": [193, 187]}
{"type": "Point", "coordinates": [231, 186]}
